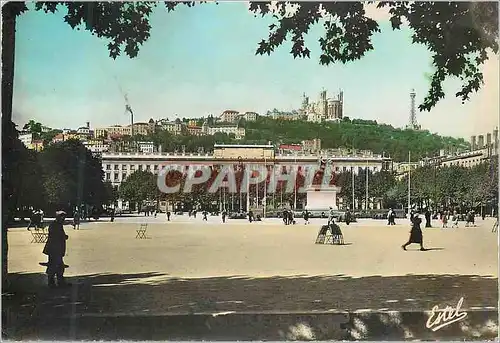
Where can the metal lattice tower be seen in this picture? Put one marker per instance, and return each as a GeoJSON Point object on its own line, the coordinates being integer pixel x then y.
{"type": "Point", "coordinates": [413, 125]}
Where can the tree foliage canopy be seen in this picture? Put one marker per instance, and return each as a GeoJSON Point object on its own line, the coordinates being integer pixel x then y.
{"type": "Point", "coordinates": [458, 34]}
{"type": "Point", "coordinates": [138, 187]}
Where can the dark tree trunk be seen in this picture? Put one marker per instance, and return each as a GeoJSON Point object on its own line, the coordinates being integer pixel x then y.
{"type": "Point", "coordinates": [9, 134]}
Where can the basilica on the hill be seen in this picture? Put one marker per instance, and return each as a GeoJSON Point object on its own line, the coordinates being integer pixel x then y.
{"type": "Point", "coordinates": [328, 109]}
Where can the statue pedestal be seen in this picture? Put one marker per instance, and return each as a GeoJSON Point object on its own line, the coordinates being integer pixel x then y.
{"type": "Point", "coordinates": [322, 199]}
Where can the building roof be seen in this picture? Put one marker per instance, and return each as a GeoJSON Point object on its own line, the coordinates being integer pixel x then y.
{"type": "Point", "coordinates": [290, 147]}
{"type": "Point", "coordinates": [230, 111]}
{"type": "Point", "coordinates": [244, 146]}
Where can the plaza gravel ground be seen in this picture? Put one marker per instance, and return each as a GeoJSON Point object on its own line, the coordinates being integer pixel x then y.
{"type": "Point", "coordinates": [189, 266]}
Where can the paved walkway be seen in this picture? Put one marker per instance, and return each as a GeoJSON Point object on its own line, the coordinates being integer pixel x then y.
{"type": "Point", "coordinates": [185, 268]}
{"type": "Point", "coordinates": [190, 267]}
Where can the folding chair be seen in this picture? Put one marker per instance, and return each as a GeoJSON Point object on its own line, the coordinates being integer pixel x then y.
{"type": "Point", "coordinates": [141, 231]}
{"type": "Point", "coordinates": [39, 235]}
{"type": "Point", "coordinates": [322, 234]}
{"type": "Point", "coordinates": [338, 237]}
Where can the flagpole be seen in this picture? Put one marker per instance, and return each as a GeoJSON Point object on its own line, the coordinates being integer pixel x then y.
{"type": "Point", "coordinates": [352, 179]}
{"type": "Point", "coordinates": [295, 186]}
{"type": "Point", "coordinates": [248, 191]}
{"type": "Point", "coordinates": [265, 189]}
{"type": "Point", "coordinates": [409, 181]}
{"type": "Point", "coordinates": [366, 170]}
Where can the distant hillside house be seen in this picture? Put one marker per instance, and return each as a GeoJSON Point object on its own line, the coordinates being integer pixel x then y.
{"type": "Point", "coordinates": [195, 130]}
{"type": "Point", "coordinates": [313, 145]}
{"type": "Point", "coordinates": [290, 147]}
{"type": "Point", "coordinates": [174, 127]}
{"type": "Point", "coordinates": [238, 132]}
{"type": "Point", "coordinates": [231, 116]}
{"type": "Point", "coordinates": [97, 145]}
{"type": "Point", "coordinates": [140, 128]}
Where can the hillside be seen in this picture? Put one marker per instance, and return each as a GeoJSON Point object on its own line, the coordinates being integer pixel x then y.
{"type": "Point", "coordinates": [357, 134]}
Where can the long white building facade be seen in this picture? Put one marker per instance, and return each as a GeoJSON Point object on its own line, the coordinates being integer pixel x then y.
{"type": "Point", "coordinates": [117, 166]}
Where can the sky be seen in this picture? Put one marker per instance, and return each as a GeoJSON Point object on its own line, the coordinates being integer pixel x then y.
{"type": "Point", "coordinates": [201, 60]}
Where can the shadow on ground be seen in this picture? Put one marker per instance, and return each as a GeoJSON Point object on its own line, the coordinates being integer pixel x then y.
{"type": "Point", "coordinates": [155, 306]}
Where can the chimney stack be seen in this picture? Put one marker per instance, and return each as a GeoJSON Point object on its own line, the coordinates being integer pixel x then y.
{"type": "Point", "coordinates": [473, 145]}
{"type": "Point", "coordinates": [488, 139]}
{"type": "Point", "coordinates": [480, 142]}
{"type": "Point", "coordinates": [88, 125]}
{"type": "Point", "coordinates": [495, 141]}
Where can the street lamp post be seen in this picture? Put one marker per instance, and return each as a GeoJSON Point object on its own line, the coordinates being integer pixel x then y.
{"type": "Point", "coordinates": [264, 202]}
{"type": "Point", "coordinates": [352, 180]}
{"type": "Point", "coordinates": [248, 192]}
{"type": "Point", "coordinates": [366, 170]}
{"type": "Point", "coordinates": [295, 186]}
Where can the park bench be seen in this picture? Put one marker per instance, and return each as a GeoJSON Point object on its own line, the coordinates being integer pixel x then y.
{"type": "Point", "coordinates": [141, 231]}
{"type": "Point", "coordinates": [330, 234]}
{"type": "Point", "coordinates": [39, 235]}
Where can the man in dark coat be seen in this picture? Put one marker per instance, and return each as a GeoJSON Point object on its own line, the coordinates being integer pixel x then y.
{"type": "Point", "coordinates": [306, 217]}
{"type": "Point", "coordinates": [415, 233]}
{"type": "Point", "coordinates": [285, 217]}
{"type": "Point", "coordinates": [55, 248]}
{"type": "Point", "coordinates": [348, 217]}
{"type": "Point", "coordinates": [427, 218]}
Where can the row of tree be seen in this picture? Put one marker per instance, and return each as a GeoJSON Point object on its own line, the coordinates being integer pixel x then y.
{"type": "Point", "coordinates": [62, 176]}
{"type": "Point", "coordinates": [444, 187]}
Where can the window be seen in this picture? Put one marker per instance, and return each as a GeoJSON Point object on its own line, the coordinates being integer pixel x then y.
{"type": "Point", "coordinates": [108, 166]}
{"type": "Point", "coordinates": [148, 167]}
{"type": "Point", "coordinates": [156, 167]}
{"type": "Point", "coordinates": [140, 166]}
{"type": "Point", "coordinates": [116, 176]}
{"type": "Point", "coordinates": [132, 167]}
{"type": "Point", "coordinates": [108, 176]}
{"type": "Point", "coordinates": [124, 176]}
{"type": "Point", "coordinates": [124, 166]}
{"type": "Point", "coordinates": [116, 166]}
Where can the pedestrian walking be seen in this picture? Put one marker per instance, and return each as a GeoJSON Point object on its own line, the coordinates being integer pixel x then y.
{"type": "Point", "coordinates": [285, 217]}
{"type": "Point", "coordinates": [168, 215]}
{"type": "Point", "coordinates": [224, 214]}
{"type": "Point", "coordinates": [250, 216]}
{"type": "Point", "coordinates": [427, 218]}
{"type": "Point", "coordinates": [415, 234]}
{"type": "Point", "coordinates": [444, 219]}
{"type": "Point", "coordinates": [76, 220]}
{"type": "Point", "coordinates": [55, 248]}
{"type": "Point", "coordinates": [306, 217]}
{"type": "Point", "coordinates": [348, 217]}
{"type": "Point", "coordinates": [205, 213]}
{"type": "Point", "coordinates": [454, 220]}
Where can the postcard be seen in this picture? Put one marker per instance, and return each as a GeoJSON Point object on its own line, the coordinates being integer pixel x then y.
{"type": "Point", "coordinates": [250, 171]}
